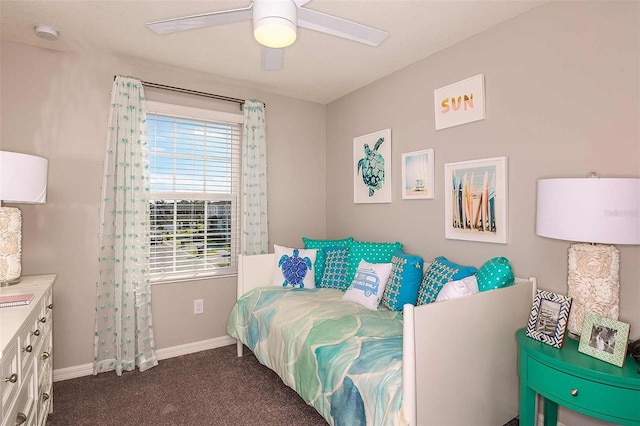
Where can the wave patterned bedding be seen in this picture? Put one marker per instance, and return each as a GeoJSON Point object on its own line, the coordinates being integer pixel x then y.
{"type": "Point", "coordinates": [341, 358]}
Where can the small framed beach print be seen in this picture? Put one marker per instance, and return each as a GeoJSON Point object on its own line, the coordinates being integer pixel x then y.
{"type": "Point", "coordinates": [417, 175]}
{"type": "Point", "coordinates": [604, 338]}
{"type": "Point", "coordinates": [476, 200]}
{"type": "Point", "coordinates": [549, 317]}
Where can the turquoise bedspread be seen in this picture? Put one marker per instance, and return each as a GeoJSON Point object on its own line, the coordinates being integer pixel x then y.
{"type": "Point", "coordinates": [341, 358]}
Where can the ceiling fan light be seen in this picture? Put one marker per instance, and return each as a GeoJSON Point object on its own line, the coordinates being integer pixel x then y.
{"type": "Point", "coordinates": [274, 32]}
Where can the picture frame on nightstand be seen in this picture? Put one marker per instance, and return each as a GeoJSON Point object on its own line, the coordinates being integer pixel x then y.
{"type": "Point", "coordinates": [604, 338]}
{"type": "Point", "coordinates": [549, 317]}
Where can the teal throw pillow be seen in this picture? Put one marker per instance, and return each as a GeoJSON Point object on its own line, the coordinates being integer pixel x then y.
{"type": "Point", "coordinates": [370, 252]}
{"type": "Point", "coordinates": [320, 244]}
{"type": "Point", "coordinates": [440, 272]}
{"type": "Point", "coordinates": [495, 273]}
{"type": "Point", "coordinates": [336, 266]}
{"type": "Point", "coordinates": [404, 281]}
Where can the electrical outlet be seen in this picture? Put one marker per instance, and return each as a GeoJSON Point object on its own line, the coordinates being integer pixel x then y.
{"type": "Point", "coordinates": [198, 306]}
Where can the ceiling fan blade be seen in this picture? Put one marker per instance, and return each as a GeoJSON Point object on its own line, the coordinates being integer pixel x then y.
{"type": "Point", "coordinates": [203, 20]}
{"type": "Point", "coordinates": [324, 23]}
{"type": "Point", "coordinates": [272, 58]}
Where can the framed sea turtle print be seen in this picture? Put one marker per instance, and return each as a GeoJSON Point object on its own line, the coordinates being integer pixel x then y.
{"type": "Point", "coordinates": [372, 168]}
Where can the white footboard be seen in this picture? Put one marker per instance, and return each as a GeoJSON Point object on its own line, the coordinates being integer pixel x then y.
{"type": "Point", "coordinates": [462, 355]}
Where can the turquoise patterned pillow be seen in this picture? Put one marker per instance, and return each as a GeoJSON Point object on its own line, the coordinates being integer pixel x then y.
{"type": "Point", "coordinates": [495, 273]}
{"type": "Point", "coordinates": [404, 281]}
{"type": "Point", "coordinates": [336, 266]}
{"type": "Point", "coordinates": [320, 244]}
{"type": "Point", "coordinates": [440, 272]}
{"type": "Point", "coordinates": [371, 252]}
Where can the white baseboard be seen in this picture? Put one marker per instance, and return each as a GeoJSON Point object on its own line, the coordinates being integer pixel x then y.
{"type": "Point", "coordinates": [541, 420]}
{"type": "Point", "coordinates": [203, 345]}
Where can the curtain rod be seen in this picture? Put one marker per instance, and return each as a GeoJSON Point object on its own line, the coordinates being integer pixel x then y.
{"type": "Point", "coordinates": [240, 102]}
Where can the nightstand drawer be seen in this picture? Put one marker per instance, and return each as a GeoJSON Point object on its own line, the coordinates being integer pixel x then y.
{"type": "Point", "coordinates": [589, 396]}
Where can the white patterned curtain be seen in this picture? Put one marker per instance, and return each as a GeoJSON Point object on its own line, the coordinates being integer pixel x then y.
{"type": "Point", "coordinates": [124, 329]}
{"type": "Point", "coordinates": [255, 234]}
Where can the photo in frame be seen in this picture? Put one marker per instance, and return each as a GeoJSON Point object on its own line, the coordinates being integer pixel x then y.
{"type": "Point", "coordinates": [476, 200]}
{"type": "Point", "coordinates": [372, 167]}
{"type": "Point", "coordinates": [604, 338]}
{"type": "Point", "coordinates": [459, 103]}
{"type": "Point", "coordinates": [549, 317]}
{"type": "Point", "coordinates": [417, 175]}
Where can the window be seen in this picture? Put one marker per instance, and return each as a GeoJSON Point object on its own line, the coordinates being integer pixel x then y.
{"type": "Point", "coordinates": [194, 162]}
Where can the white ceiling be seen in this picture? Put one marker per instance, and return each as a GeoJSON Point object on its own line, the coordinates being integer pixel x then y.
{"type": "Point", "coordinates": [317, 67]}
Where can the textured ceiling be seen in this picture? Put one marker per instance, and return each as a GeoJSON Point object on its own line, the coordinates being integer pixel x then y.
{"type": "Point", "coordinates": [317, 67]}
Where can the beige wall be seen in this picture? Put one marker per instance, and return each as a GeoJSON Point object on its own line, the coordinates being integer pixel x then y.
{"type": "Point", "coordinates": [56, 105]}
{"type": "Point", "coordinates": [562, 99]}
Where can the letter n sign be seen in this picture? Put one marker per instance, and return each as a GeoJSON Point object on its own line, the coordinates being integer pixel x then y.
{"type": "Point", "coordinates": [459, 103]}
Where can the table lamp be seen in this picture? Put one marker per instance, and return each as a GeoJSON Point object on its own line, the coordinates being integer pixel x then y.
{"type": "Point", "coordinates": [23, 179]}
{"type": "Point", "coordinates": [595, 213]}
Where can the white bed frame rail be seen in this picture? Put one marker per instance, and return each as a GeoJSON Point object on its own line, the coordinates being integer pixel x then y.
{"type": "Point", "coordinates": [459, 356]}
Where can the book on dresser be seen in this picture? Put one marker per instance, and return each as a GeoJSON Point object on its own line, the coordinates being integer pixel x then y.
{"type": "Point", "coordinates": [15, 300]}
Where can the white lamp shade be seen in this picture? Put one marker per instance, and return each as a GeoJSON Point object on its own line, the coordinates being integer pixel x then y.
{"type": "Point", "coordinates": [590, 210]}
{"type": "Point", "coordinates": [275, 22]}
{"type": "Point", "coordinates": [23, 178]}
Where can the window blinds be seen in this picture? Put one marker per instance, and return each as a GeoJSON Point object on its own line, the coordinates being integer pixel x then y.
{"type": "Point", "coordinates": [195, 173]}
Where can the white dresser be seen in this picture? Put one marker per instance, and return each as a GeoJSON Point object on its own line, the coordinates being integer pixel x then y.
{"type": "Point", "coordinates": [26, 348]}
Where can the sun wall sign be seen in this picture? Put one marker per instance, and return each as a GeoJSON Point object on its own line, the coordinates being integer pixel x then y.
{"type": "Point", "coordinates": [459, 103]}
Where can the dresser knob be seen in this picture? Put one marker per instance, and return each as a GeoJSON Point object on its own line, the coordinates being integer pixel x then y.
{"type": "Point", "coordinates": [28, 349]}
{"type": "Point", "coordinates": [45, 355]}
{"type": "Point", "coordinates": [574, 392]}
{"type": "Point", "coordinates": [45, 396]}
{"type": "Point", "coordinates": [20, 418]}
{"type": "Point", "coordinates": [50, 306]}
{"type": "Point", "coordinates": [43, 320]}
{"type": "Point", "coordinates": [36, 333]}
{"type": "Point", "coordinates": [12, 378]}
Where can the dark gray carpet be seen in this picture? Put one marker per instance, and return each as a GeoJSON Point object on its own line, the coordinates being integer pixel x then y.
{"type": "Point", "coordinates": [211, 387]}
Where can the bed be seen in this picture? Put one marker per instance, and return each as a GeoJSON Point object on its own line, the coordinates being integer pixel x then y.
{"type": "Point", "coordinates": [446, 363]}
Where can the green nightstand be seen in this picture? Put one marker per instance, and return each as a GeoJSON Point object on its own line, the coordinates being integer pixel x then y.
{"type": "Point", "coordinates": [576, 381]}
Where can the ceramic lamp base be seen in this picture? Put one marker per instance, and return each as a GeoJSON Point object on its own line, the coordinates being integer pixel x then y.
{"type": "Point", "coordinates": [10, 244]}
{"type": "Point", "coordinates": [593, 283]}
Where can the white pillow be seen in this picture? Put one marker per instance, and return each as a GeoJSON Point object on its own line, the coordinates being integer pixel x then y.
{"type": "Point", "coordinates": [294, 267]}
{"type": "Point", "coordinates": [460, 288]}
{"type": "Point", "coordinates": [368, 284]}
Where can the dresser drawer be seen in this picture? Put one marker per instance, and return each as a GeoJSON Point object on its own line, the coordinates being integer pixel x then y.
{"type": "Point", "coordinates": [24, 403]}
{"type": "Point", "coordinates": [9, 376]}
{"type": "Point", "coordinates": [28, 343]}
{"type": "Point", "coordinates": [596, 397]}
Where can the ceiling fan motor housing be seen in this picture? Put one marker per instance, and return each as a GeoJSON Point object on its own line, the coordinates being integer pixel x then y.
{"type": "Point", "coordinates": [275, 22]}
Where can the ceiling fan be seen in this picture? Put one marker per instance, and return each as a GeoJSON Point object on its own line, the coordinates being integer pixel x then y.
{"type": "Point", "coordinates": [275, 25]}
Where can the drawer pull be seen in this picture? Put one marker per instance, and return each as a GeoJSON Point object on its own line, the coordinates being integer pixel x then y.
{"type": "Point", "coordinates": [36, 333]}
{"type": "Point", "coordinates": [20, 418]}
{"type": "Point", "coordinates": [12, 378]}
{"type": "Point", "coordinates": [50, 306]}
{"type": "Point", "coordinates": [28, 349]}
{"type": "Point", "coordinates": [45, 355]}
{"type": "Point", "coordinates": [43, 320]}
{"type": "Point", "coordinates": [45, 396]}
{"type": "Point", "coordinates": [574, 392]}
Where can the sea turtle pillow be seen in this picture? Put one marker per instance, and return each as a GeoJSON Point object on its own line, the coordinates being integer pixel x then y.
{"type": "Point", "coordinates": [294, 267]}
{"type": "Point", "coordinates": [368, 284]}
